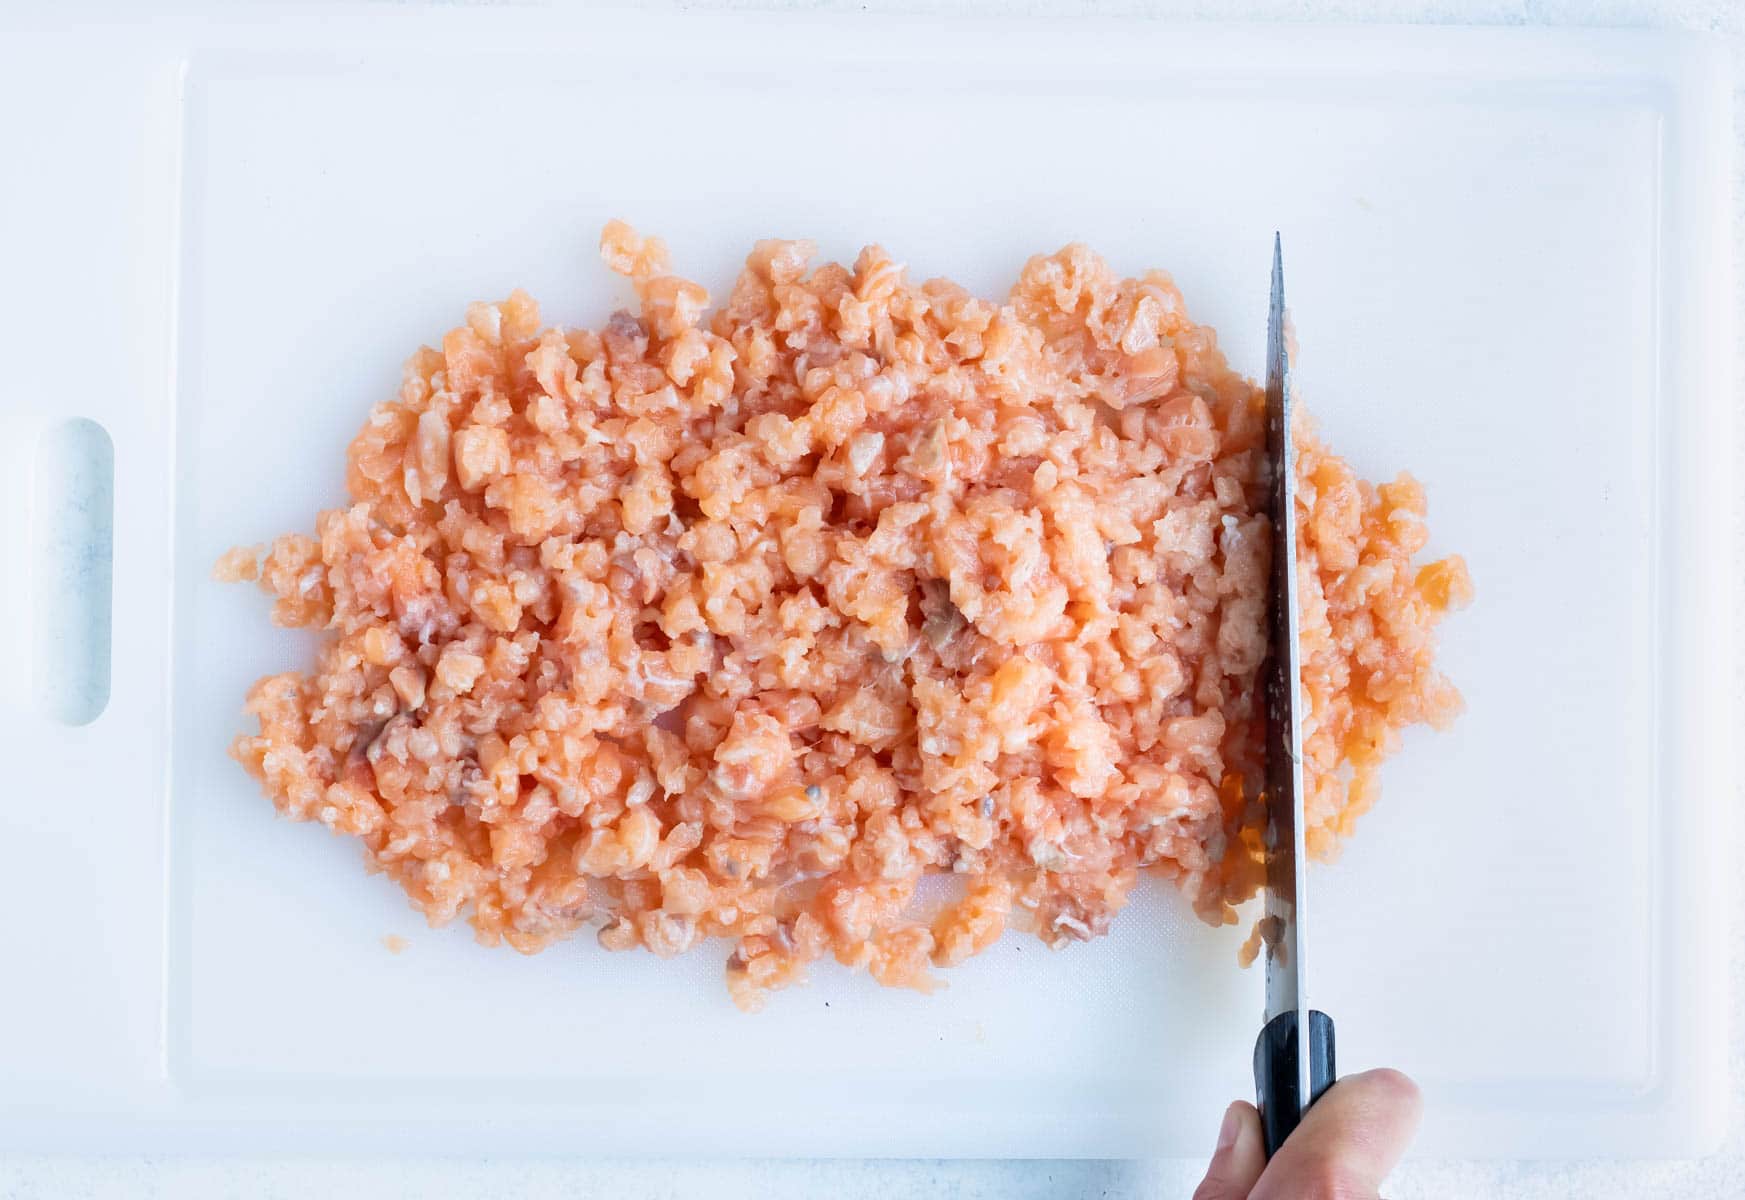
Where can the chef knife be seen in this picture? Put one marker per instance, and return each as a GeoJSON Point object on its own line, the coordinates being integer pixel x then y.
{"type": "Point", "coordinates": [1290, 1071]}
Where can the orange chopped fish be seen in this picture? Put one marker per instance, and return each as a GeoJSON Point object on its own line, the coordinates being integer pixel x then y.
{"type": "Point", "coordinates": [736, 626]}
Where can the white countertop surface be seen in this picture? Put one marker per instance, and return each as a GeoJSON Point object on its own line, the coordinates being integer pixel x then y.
{"type": "Point", "coordinates": [1722, 1175]}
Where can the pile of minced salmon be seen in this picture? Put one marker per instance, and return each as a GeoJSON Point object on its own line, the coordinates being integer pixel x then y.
{"type": "Point", "coordinates": [737, 623]}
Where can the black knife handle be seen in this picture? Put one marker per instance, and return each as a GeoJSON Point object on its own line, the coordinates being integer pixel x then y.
{"type": "Point", "coordinates": [1275, 1072]}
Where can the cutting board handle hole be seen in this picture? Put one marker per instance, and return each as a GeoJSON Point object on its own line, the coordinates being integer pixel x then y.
{"type": "Point", "coordinates": [72, 561]}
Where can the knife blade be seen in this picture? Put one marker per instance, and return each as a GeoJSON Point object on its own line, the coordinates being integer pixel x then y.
{"type": "Point", "coordinates": [1286, 1081]}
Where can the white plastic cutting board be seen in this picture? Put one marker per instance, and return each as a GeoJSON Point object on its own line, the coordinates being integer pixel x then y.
{"type": "Point", "coordinates": [1506, 258]}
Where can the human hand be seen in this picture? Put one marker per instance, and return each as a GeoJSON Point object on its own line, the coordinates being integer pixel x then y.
{"type": "Point", "coordinates": [1344, 1148]}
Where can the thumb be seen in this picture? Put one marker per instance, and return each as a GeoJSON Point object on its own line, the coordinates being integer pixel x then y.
{"type": "Point", "coordinates": [1239, 1158]}
{"type": "Point", "coordinates": [1348, 1142]}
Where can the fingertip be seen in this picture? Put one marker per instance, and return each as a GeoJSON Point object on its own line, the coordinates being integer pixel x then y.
{"type": "Point", "coordinates": [1240, 1156]}
{"type": "Point", "coordinates": [1240, 1114]}
{"type": "Point", "coordinates": [1349, 1141]}
{"type": "Point", "coordinates": [1393, 1091]}
{"type": "Point", "coordinates": [1387, 1079]}
{"type": "Point", "coordinates": [1228, 1128]}
{"type": "Point", "coordinates": [1250, 1149]}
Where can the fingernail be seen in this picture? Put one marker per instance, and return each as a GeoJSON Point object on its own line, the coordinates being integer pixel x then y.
{"type": "Point", "coordinates": [1230, 1128]}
